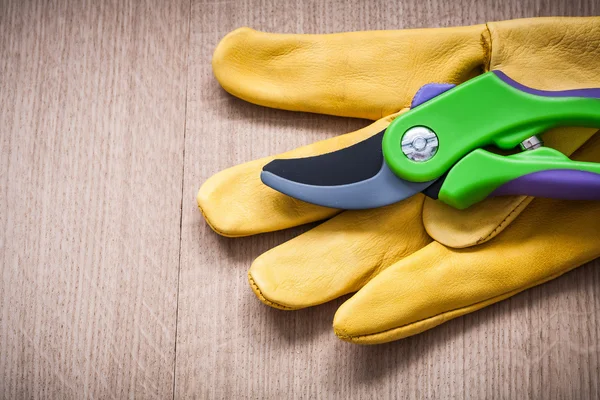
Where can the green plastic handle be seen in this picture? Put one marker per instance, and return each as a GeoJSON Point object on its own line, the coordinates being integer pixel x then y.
{"type": "Point", "coordinates": [483, 111]}
{"type": "Point", "coordinates": [480, 173]}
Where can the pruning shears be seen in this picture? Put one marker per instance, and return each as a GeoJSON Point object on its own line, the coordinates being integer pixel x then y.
{"type": "Point", "coordinates": [441, 147]}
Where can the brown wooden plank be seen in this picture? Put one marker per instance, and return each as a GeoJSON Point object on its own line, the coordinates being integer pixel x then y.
{"type": "Point", "coordinates": [92, 113]}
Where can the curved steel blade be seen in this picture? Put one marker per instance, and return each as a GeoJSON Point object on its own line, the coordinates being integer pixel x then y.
{"type": "Point", "coordinates": [356, 177]}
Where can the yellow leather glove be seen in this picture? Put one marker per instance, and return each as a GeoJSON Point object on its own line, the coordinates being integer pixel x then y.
{"type": "Point", "coordinates": [417, 263]}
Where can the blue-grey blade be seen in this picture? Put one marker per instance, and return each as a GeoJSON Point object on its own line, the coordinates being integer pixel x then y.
{"type": "Point", "coordinates": [380, 190]}
{"type": "Point", "coordinates": [351, 164]}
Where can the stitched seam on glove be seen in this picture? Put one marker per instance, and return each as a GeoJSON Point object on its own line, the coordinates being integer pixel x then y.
{"type": "Point", "coordinates": [486, 43]}
{"type": "Point", "coordinates": [215, 229]}
{"type": "Point", "coordinates": [507, 220]}
{"type": "Point", "coordinates": [262, 298]}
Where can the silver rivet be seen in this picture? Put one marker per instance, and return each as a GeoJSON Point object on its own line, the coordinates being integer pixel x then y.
{"type": "Point", "coordinates": [531, 143]}
{"type": "Point", "coordinates": [419, 143]}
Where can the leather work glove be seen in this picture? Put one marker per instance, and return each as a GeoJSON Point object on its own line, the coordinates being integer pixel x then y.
{"type": "Point", "coordinates": [417, 263]}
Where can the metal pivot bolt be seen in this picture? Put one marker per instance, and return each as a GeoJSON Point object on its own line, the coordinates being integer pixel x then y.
{"type": "Point", "coordinates": [419, 143]}
{"type": "Point", "coordinates": [531, 143]}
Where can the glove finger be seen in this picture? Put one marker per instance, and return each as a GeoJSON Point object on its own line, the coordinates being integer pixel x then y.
{"type": "Point", "coordinates": [437, 283]}
{"type": "Point", "coordinates": [354, 74]}
{"type": "Point", "coordinates": [339, 256]}
{"type": "Point", "coordinates": [235, 202]}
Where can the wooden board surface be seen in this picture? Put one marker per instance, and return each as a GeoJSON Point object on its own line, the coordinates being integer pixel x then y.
{"type": "Point", "coordinates": [112, 285]}
{"type": "Point", "coordinates": [92, 115]}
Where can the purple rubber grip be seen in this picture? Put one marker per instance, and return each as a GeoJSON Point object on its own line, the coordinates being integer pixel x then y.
{"type": "Point", "coordinates": [566, 184]}
{"type": "Point", "coordinates": [591, 93]}
{"type": "Point", "coordinates": [429, 91]}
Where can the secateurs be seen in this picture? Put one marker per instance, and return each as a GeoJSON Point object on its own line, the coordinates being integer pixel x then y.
{"type": "Point", "coordinates": [438, 148]}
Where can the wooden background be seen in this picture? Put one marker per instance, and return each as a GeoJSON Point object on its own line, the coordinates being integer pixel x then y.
{"type": "Point", "coordinates": [112, 285]}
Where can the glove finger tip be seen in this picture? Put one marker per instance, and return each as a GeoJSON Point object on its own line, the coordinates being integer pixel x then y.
{"type": "Point", "coordinates": [258, 286]}
{"type": "Point", "coordinates": [361, 321]}
{"type": "Point", "coordinates": [342, 333]}
{"type": "Point", "coordinates": [206, 205]}
{"type": "Point", "coordinates": [236, 63]}
{"type": "Point", "coordinates": [345, 329]}
{"type": "Point", "coordinates": [228, 202]}
{"type": "Point", "coordinates": [226, 50]}
{"type": "Point", "coordinates": [344, 325]}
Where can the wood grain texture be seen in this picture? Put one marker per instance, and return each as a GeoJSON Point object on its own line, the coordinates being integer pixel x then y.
{"type": "Point", "coordinates": [110, 119]}
{"type": "Point", "coordinates": [92, 113]}
{"type": "Point", "coordinates": [540, 344]}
